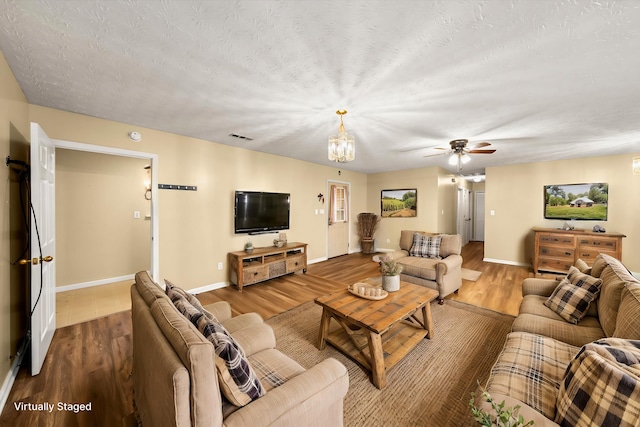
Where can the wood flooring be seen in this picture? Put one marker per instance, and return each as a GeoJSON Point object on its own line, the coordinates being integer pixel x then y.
{"type": "Point", "coordinates": [91, 362]}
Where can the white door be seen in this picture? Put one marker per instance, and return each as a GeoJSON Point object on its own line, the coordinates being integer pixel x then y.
{"type": "Point", "coordinates": [338, 220]}
{"type": "Point", "coordinates": [43, 266]}
{"type": "Point", "coordinates": [464, 215]}
{"type": "Point", "coordinates": [478, 226]}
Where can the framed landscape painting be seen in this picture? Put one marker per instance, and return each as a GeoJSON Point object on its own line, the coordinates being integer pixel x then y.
{"type": "Point", "coordinates": [399, 203]}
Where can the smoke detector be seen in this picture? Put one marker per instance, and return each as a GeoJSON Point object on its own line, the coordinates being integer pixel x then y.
{"type": "Point", "coordinates": [135, 136]}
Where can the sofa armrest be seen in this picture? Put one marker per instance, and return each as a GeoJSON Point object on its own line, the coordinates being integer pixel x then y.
{"type": "Point", "coordinates": [449, 263]}
{"type": "Point", "coordinates": [220, 309]}
{"type": "Point", "coordinates": [312, 398]}
{"type": "Point", "coordinates": [537, 286]}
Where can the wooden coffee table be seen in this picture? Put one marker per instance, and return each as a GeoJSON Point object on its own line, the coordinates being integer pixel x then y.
{"type": "Point", "coordinates": [376, 334]}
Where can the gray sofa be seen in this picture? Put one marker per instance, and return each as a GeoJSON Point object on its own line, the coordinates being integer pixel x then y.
{"type": "Point", "coordinates": [174, 371]}
{"type": "Point", "coordinates": [443, 274]}
{"type": "Point", "coordinates": [543, 348]}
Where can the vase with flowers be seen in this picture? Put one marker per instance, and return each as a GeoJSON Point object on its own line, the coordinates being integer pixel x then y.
{"type": "Point", "coordinates": [390, 270]}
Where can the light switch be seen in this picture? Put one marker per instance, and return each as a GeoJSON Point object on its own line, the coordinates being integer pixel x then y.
{"type": "Point", "coordinates": [220, 266]}
{"type": "Point", "coordinates": [321, 211]}
{"type": "Point", "coordinates": [136, 214]}
{"type": "Point", "coordinates": [492, 212]}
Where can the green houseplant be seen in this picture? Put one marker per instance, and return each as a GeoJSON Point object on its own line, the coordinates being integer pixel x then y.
{"type": "Point", "coordinates": [390, 270]}
{"type": "Point", "coordinates": [248, 247]}
{"type": "Point", "coordinates": [503, 417]}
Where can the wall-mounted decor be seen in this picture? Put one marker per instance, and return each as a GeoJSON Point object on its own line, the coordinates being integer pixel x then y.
{"type": "Point", "coordinates": [636, 165]}
{"type": "Point", "coordinates": [399, 203]}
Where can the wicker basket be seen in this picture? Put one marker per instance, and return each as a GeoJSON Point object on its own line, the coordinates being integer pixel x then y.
{"type": "Point", "coordinates": [367, 246]}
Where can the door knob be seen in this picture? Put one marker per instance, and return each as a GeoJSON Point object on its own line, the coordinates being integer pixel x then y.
{"type": "Point", "coordinates": [35, 261]}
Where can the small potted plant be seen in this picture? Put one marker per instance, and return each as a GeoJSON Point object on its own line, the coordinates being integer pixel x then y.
{"type": "Point", "coordinates": [390, 270]}
{"type": "Point", "coordinates": [248, 247]}
{"type": "Point", "coordinates": [501, 417]}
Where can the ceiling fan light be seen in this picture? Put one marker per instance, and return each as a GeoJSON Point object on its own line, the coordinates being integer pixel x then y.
{"type": "Point", "coordinates": [453, 159]}
{"type": "Point", "coordinates": [465, 159]}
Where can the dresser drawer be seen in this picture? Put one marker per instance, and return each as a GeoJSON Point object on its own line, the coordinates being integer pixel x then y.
{"type": "Point", "coordinates": [557, 252]}
{"type": "Point", "coordinates": [589, 255]}
{"type": "Point", "coordinates": [557, 239]}
{"type": "Point", "coordinates": [255, 274]}
{"type": "Point", "coordinates": [555, 264]}
{"type": "Point", "coordinates": [295, 263]}
{"type": "Point", "coordinates": [598, 243]}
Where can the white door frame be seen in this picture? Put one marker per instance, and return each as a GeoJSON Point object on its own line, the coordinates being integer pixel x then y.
{"type": "Point", "coordinates": [478, 214]}
{"type": "Point", "coordinates": [327, 213]}
{"type": "Point", "coordinates": [464, 214]}
{"type": "Point", "coordinates": [153, 158]}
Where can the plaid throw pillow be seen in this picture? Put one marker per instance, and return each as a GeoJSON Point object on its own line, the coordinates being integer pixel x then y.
{"type": "Point", "coordinates": [189, 297]}
{"type": "Point", "coordinates": [238, 381]}
{"type": "Point", "coordinates": [425, 246]}
{"type": "Point", "coordinates": [573, 295]}
{"type": "Point", "coordinates": [602, 386]}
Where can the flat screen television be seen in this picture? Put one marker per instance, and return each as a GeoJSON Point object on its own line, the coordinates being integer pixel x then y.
{"type": "Point", "coordinates": [258, 212]}
{"type": "Point", "coordinates": [586, 202]}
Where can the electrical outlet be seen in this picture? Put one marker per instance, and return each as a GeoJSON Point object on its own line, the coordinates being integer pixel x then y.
{"type": "Point", "coordinates": [220, 266]}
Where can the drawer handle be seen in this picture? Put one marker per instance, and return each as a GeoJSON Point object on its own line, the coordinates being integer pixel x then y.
{"type": "Point", "coordinates": [255, 273]}
{"type": "Point", "coordinates": [567, 253]}
{"type": "Point", "coordinates": [596, 243]}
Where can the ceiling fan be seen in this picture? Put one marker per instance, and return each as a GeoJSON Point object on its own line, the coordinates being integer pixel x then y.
{"type": "Point", "coordinates": [460, 152]}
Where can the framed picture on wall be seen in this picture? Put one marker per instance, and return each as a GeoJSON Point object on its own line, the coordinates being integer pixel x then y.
{"type": "Point", "coordinates": [399, 203]}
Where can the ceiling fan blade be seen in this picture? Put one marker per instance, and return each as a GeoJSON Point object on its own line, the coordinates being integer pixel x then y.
{"type": "Point", "coordinates": [479, 145]}
{"type": "Point", "coordinates": [481, 151]}
{"type": "Point", "coordinates": [433, 155]}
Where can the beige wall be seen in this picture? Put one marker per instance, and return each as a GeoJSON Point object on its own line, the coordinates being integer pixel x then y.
{"type": "Point", "coordinates": [196, 227]}
{"type": "Point", "coordinates": [436, 203]}
{"type": "Point", "coordinates": [516, 194]}
{"type": "Point", "coordinates": [14, 134]}
{"type": "Point", "coordinates": [97, 236]}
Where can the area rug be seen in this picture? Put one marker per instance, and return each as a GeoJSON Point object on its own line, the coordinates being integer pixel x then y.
{"type": "Point", "coordinates": [471, 275]}
{"type": "Point", "coordinates": [431, 386]}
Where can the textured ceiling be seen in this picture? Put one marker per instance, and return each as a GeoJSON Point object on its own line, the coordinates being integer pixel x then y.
{"type": "Point", "coordinates": [540, 80]}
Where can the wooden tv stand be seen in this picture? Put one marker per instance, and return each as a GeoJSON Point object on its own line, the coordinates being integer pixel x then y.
{"type": "Point", "coordinates": [266, 263]}
{"type": "Point", "coordinates": [556, 250]}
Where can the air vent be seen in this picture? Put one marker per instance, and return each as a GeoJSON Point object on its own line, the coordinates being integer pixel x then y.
{"type": "Point", "coordinates": [235, 135]}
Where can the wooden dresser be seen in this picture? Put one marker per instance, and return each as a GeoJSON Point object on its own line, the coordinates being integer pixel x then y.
{"type": "Point", "coordinates": [557, 250]}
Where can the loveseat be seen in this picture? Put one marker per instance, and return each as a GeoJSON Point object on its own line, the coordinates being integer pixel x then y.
{"type": "Point", "coordinates": [431, 260]}
{"type": "Point", "coordinates": [175, 377]}
{"type": "Point", "coordinates": [561, 372]}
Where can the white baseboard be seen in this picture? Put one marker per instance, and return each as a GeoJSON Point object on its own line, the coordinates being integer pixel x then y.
{"type": "Point", "coordinates": [502, 261]}
{"type": "Point", "coordinates": [10, 378]}
{"type": "Point", "coordinates": [316, 260]}
{"type": "Point", "coordinates": [210, 287]}
{"type": "Point", "coordinates": [94, 283]}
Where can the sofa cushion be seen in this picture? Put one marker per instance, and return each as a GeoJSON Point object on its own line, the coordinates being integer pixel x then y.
{"type": "Point", "coordinates": [587, 330]}
{"type": "Point", "coordinates": [614, 277]}
{"type": "Point", "coordinates": [170, 288]}
{"type": "Point", "coordinates": [450, 244]}
{"type": "Point", "coordinates": [602, 385]}
{"type": "Point", "coordinates": [628, 320]}
{"type": "Point", "coordinates": [147, 288]}
{"type": "Point", "coordinates": [424, 268]}
{"type": "Point", "coordinates": [425, 246]}
{"type": "Point", "coordinates": [573, 295]}
{"type": "Point", "coordinates": [236, 377]}
{"type": "Point", "coordinates": [582, 266]}
{"type": "Point", "coordinates": [530, 369]}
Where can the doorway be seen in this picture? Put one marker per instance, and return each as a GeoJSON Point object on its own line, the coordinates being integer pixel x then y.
{"type": "Point", "coordinates": [338, 222]}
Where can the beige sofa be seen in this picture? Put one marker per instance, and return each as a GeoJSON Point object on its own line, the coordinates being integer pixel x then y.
{"type": "Point", "coordinates": [533, 364]}
{"type": "Point", "coordinates": [175, 381]}
{"type": "Point", "coordinates": [443, 274]}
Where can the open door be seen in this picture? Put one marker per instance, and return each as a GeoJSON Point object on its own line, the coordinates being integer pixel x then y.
{"type": "Point", "coordinates": [43, 266]}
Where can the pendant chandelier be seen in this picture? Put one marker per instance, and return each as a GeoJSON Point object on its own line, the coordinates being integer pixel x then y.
{"type": "Point", "coordinates": [342, 147]}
